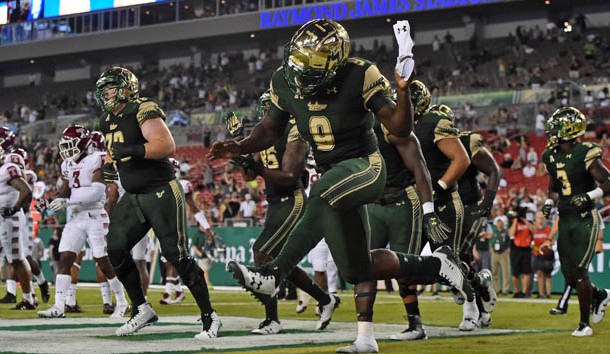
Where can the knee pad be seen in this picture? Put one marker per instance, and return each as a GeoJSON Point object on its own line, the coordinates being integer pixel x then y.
{"type": "Point", "coordinates": [404, 291]}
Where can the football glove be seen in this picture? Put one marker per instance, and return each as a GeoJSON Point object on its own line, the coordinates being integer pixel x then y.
{"type": "Point", "coordinates": [58, 204]}
{"type": "Point", "coordinates": [581, 201]}
{"type": "Point", "coordinates": [41, 205]}
{"type": "Point", "coordinates": [234, 125]}
{"type": "Point", "coordinates": [8, 212]}
{"type": "Point", "coordinates": [109, 173]}
{"type": "Point", "coordinates": [122, 151]}
{"type": "Point", "coordinates": [435, 229]}
{"type": "Point", "coordinates": [546, 209]}
{"type": "Point", "coordinates": [248, 163]}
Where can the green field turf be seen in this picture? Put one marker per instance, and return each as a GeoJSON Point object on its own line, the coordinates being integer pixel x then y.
{"type": "Point", "coordinates": [552, 333]}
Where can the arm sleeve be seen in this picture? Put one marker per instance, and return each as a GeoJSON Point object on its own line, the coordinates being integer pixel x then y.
{"type": "Point", "coordinates": [375, 89]}
{"type": "Point", "coordinates": [86, 195]}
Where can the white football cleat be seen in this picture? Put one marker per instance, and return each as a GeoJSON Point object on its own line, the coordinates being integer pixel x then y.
{"type": "Point", "coordinates": [252, 280]}
{"type": "Point", "coordinates": [415, 331]}
{"type": "Point", "coordinates": [52, 312]}
{"type": "Point", "coordinates": [361, 345]}
{"type": "Point", "coordinates": [326, 311]}
{"type": "Point", "coordinates": [211, 326]}
{"type": "Point", "coordinates": [487, 291]}
{"type": "Point", "coordinates": [145, 317]}
{"type": "Point", "coordinates": [120, 311]}
{"type": "Point", "coordinates": [470, 316]}
{"type": "Point", "coordinates": [452, 274]}
{"type": "Point", "coordinates": [583, 330]}
{"type": "Point", "coordinates": [268, 327]}
{"type": "Point", "coordinates": [484, 320]}
{"type": "Point", "coordinates": [599, 308]}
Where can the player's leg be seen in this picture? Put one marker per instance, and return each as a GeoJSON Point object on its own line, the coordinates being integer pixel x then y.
{"type": "Point", "coordinates": [107, 306]}
{"type": "Point", "coordinates": [11, 283]}
{"type": "Point", "coordinates": [38, 275]}
{"type": "Point", "coordinates": [15, 254]}
{"type": "Point", "coordinates": [165, 210]}
{"type": "Point", "coordinates": [138, 253]}
{"type": "Point", "coordinates": [71, 303]}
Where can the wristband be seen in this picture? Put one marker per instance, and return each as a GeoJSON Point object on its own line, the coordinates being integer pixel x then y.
{"type": "Point", "coordinates": [428, 207]}
{"type": "Point", "coordinates": [596, 193]}
{"type": "Point", "coordinates": [442, 184]}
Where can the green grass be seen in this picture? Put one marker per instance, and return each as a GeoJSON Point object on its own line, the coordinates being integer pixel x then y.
{"type": "Point", "coordinates": [554, 336]}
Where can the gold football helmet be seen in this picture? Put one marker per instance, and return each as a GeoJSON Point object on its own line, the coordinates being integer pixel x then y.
{"type": "Point", "coordinates": [420, 97]}
{"type": "Point", "coordinates": [126, 83]}
{"type": "Point", "coordinates": [565, 124]}
{"type": "Point", "coordinates": [313, 56]}
{"type": "Point", "coordinates": [444, 109]}
{"type": "Point", "coordinates": [263, 104]}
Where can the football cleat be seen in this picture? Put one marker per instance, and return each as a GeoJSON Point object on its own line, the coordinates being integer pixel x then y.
{"type": "Point", "coordinates": [178, 297]}
{"type": "Point", "coordinates": [8, 299]}
{"type": "Point", "coordinates": [599, 307]}
{"type": "Point", "coordinates": [415, 331]}
{"type": "Point", "coordinates": [52, 312]}
{"type": "Point", "coordinates": [486, 290]}
{"type": "Point", "coordinates": [557, 311]}
{"type": "Point", "coordinates": [362, 344]}
{"type": "Point", "coordinates": [120, 311]}
{"type": "Point", "coordinates": [583, 330]}
{"type": "Point", "coordinates": [326, 311]}
{"type": "Point", "coordinates": [253, 280]}
{"type": "Point", "coordinates": [452, 274]}
{"type": "Point", "coordinates": [484, 320]}
{"type": "Point", "coordinates": [211, 326]}
{"type": "Point", "coordinates": [302, 306]}
{"type": "Point", "coordinates": [24, 305]}
{"type": "Point", "coordinates": [470, 316]}
{"type": "Point", "coordinates": [145, 316]}
{"type": "Point", "coordinates": [268, 327]}
{"type": "Point", "coordinates": [44, 291]}
{"type": "Point", "coordinates": [73, 309]}
{"type": "Point", "coordinates": [166, 299]}
{"type": "Point", "coordinates": [108, 309]}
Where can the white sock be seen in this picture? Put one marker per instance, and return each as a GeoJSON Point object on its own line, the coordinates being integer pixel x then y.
{"type": "Point", "coordinates": [178, 286]}
{"type": "Point", "coordinates": [71, 298]}
{"type": "Point", "coordinates": [28, 298]}
{"type": "Point", "coordinates": [32, 289]}
{"type": "Point", "coordinates": [11, 286]}
{"type": "Point", "coordinates": [39, 278]}
{"type": "Point", "coordinates": [469, 308]}
{"type": "Point", "coordinates": [365, 329]}
{"type": "Point", "coordinates": [106, 294]}
{"type": "Point", "coordinates": [62, 286]}
{"type": "Point", "coordinates": [117, 288]}
{"type": "Point", "coordinates": [169, 286]}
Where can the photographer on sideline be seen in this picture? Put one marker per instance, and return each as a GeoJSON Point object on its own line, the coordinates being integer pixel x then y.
{"type": "Point", "coordinates": [521, 232]}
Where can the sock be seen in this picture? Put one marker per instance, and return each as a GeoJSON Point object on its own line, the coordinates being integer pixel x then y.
{"type": "Point", "coordinates": [106, 294]}
{"type": "Point", "coordinates": [271, 309]}
{"type": "Point", "coordinates": [365, 329]}
{"type": "Point", "coordinates": [169, 285]}
{"type": "Point", "coordinates": [412, 309]}
{"type": "Point", "coordinates": [11, 287]}
{"type": "Point", "coordinates": [28, 298]}
{"type": "Point", "coordinates": [178, 286]}
{"type": "Point", "coordinates": [117, 289]}
{"type": "Point", "coordinates": [331, 277]}
{"type": "Point", "coordinates": [62, 285]}
{"type": "Point", "coordinates": [71, 298]}
{"type": "Point", "coordinates": [302, 280]}
{"type": "Point", "coordinates": [39, 278]}
{"type": "Point", "coordinates": [32, 288]}
{"type": "Point", "coordinates": [130, 278]}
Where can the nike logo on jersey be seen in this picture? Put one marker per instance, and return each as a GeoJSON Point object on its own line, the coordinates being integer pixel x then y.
{"type": "Point", "coordinates": [442, 207]}
{"type": "Point", "coordinates": [160, 194]}
{"type": "Point", "coordinates": [332, 90]}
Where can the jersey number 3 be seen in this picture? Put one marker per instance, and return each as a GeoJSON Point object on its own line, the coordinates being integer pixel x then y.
{"type": "Point", "coordinates": [566, 187]}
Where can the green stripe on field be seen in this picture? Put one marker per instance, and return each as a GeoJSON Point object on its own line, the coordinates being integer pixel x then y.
{"type": "Point", "coordinates": [182, 335]}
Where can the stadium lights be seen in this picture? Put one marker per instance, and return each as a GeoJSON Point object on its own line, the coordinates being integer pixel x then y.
{"type": "Point", "coordinates": [547, 2]}
{"type": "Point", "coordinates": [388, 20]}
{"type": "Point", "coordinates": [32, 61]}
{"type": "Point", "coordinates": [252, 35]}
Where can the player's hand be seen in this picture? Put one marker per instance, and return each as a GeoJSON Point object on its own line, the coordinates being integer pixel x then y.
{"type": "Point", "coordinates": [580, 200]}
{"type": "Point", "coordinates": [123, 152]}
{"type": "Point", "coordinates": [435, 229]}
{"type": "Point", "coordinates": [234, 125]}
{"type": "Point", "coordinates": [58, 204]}
{"type": "Point", "coordinates": [41, 205]}
{"type": "Point", "coordinates": [109, 173]}
{"type": "Point", "coordinates": [8, 212]}
{"type": "Point", "coordinates": [247, 163]}
{"type": "Point", "coordinates": [224, 150]}
{"type": "Point", "coordinates": [546, 209]}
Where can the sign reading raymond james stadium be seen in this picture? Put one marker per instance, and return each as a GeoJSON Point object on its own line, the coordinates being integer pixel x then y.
{"type": "Point", "coordinates": [347, 10]}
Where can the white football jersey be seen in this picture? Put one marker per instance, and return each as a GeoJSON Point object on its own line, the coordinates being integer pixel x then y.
{"type": "Point", "coordinates": [8, 194]}
{"type": "Point", "coordinates": [186, 186]}
{"type": "Point", "coordinates": [80, 174]}
{"type": "Point", "coordinates": [313, 177]}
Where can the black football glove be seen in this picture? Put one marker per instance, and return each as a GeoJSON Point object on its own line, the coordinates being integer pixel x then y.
{"type": "Point", "coordinates": [435, 229]}
{"type": "Point", "coordinates": [8, 212]}
{"type": "Point", "coordinates": [41, 205]}
{"type": "Point", "coordinates": [581, 201]}
{"type": "Point", "coordinates": [484, 209]}
{"type": "Point", "coordinates": [121, 151]}
{"type": "Point", "coordinates": [234, 125]}
{"type": "Point", "coordinates": [109, 173]}
{"type": "Point", "coordinates": [248, 163]}
{"type": "Point", "coordinates": [546, 209]}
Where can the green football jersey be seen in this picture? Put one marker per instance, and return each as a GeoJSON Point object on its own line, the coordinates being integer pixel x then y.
{"type": "Point", "coordinates": [570, 171]}
{"type": "Point", "coordinates": [272, 157]}
{"type": "Point", "coordinates": [468, 186]}
{"type": "Point", "coordinates": [430, 128]}
{"type": "Point", "coordinates": [137, 175]}
{"type": "Point", "coordinates": [336, 121]}
{"type": "Point", "coordinates": [397, 173]}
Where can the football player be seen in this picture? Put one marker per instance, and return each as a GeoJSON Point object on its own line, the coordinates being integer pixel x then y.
{"type": "Point", "coordinates": [282, 167]}
{"type": "Point", "coordinates": [15, 195]}
{"type": "Point", "coordinates": [334, 100]}
{"type": "Point", "coordinates": [139, 145]}
{"type": "Point", "coordinates": [84, 194]}
{"type": "Point", "coordinates": [577, 176]}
